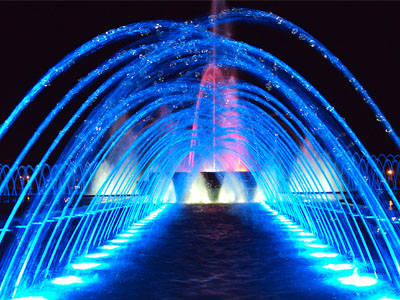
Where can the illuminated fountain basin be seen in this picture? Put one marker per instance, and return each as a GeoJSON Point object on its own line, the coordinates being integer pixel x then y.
{"type": "Point", "coordinates": [258, 258]}
{"type": "Point", "coordinates": [139, 128]}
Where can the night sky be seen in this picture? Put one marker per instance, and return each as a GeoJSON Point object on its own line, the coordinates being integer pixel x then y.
{"type": "Point", "coordinates": [364, 35]}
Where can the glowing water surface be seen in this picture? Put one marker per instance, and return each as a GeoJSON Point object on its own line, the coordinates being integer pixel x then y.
{"type": "Point", "coordinates": [216, 251]}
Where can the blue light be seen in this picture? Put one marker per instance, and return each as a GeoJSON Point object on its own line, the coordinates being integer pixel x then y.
{"type": "Point", "coordinates": [97, 255]}
{"type": "Point", "coordinates": [119, 241]}
{"type": "Point", "coordinates": [84, 266]}
{"type": "Point", "coordinates": [67, 280]}
{"type": "Point", "coordinates": [143, 222]}
{"type": "Point", "coordinates": [323, 254]}
{"type": "Point", "coordinates": [339, 267]}
{"type": "Point", "coordinates": [305, 234]}
{"type": "Point", "coordinates": [31, 298]}
{"type": "Point", "coordinates": [126, 235]}
{"type": "Point", "coordinates": [109, 247]}
{"type": "Point", "coordinates": [357, 280]}
{"type": "Point", "coordinates": [307, 240]}
{"type": "Point", "coordinates": [293, 226]}
{"type": "Point", "coordinates": [137, 226]}
{"type": "Point", "coordinates": [317, 246]}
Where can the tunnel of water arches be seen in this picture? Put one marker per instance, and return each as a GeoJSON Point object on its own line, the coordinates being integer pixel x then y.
{"type": "Point", "coordinates": [182, 124]}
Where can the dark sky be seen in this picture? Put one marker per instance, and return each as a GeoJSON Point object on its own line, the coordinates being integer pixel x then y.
{"type": "Point", "coordinates": [364, 35]}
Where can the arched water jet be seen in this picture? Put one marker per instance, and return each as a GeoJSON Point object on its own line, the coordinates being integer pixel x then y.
{"type": "Point", "coordinates": [161, 68]}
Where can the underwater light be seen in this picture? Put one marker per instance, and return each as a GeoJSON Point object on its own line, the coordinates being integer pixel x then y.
{"type": "Point", "coordinates": [266, 206]}
{"type": "Point", "coordinates": [85, 266]}
{"type": "Point", "coordinates": [97, 255]}
{"type": "Point", "coordinates": [307, 240]}
{"type": "Point", "coordinates": [137, 225]}
{"type": "Point", "coordinates": [339, 267]}
{"type": "Point", "coordinates": [357, 280]}
{"type": "Point", "coordinates": [126, 235]}
{"type": "Point", "coordinates": [295, 229]}
{"type": "Point", "coordinates": [119, 241]}
{"type": "Point", "coordinates": [132, 231]}
{"type": "Point", "coordinates": [323, 254]}
{"type": "Point", "coordinates": [67, 280]}
{"type": "Point", "coordinates": [109, 247]}
{"type": "Point", "coordinates": [31, 298]}
{"type": "Point", "coordinates": [317, 246]}
{"type": "Point", "coordinates": [292, 226]}
{"type": "Point", "coordinates": [305, 233]}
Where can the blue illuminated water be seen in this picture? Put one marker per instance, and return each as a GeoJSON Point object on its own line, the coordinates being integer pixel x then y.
{"type": "Point", "coordinates": [219, 252]}
{"type": "Point", "coordinates": [148, 110]}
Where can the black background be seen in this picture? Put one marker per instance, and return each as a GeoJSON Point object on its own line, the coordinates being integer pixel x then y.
{"type": "Point", "coordinates": [364, 35]}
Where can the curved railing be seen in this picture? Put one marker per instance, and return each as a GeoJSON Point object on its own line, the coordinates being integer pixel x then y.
{"type": "Point", "coordinates": [389, 165]}
{"type": "Point", "coordinates": [22, 176]}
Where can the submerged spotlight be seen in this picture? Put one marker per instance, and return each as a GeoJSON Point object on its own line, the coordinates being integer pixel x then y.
{"type": "Point", "coordinates": [305, 234]}
{"type": "Point", "coordinates": [339, 267]}
{"type": "Point", "coordinates": [109, 247]}
{"type": "Point", "coordinates": [85, 266]}
{"type": "Point", "coordinates": [288, 223]}
{"type": "Point", "coordinates": [357, 280]}
{"type": "Point", "coordinates": [323, 254]}
{"type": "Point", "coordinates": [31, 298]}
{"type": "Point", "coordinates": [120, 241]}
{"type": "Point", "coordinates": [137, 225]}
{"type": "Point", "coordinates": [317, 246]}
{"type": "Point", "coordinates": [97, 255]}
{"type": "Point", "coordinates": [292, 226]}
{"type": "Point", "coordinates": [126, 235]}
{"type": "Point", "coordinates": [307, 240]}
{"type": "Point", "coordinates": [144, 221]}
{"type": "Point", "coordinates": [67, 280]}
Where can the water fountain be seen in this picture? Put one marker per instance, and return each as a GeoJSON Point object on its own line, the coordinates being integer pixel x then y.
{"type": "Point", "coordinates": [143, 123]}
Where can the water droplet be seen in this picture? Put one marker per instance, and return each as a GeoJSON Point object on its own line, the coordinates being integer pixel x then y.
{"type": "Point", "coordinates": [330, 108]}
{"type": "Point", "coordinates": [380, 118]}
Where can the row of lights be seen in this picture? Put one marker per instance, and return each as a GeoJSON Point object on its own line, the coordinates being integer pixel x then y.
{"type": "Point", "coordinates": [309, 240]}
{"type": "Point", "coordinates": [113, 244]}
